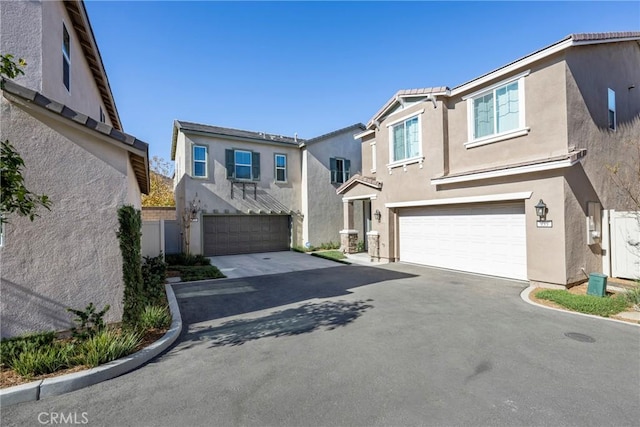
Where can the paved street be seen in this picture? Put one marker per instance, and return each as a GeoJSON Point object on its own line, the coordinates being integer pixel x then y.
{"type": "Point", "coordinates": [362, 346]}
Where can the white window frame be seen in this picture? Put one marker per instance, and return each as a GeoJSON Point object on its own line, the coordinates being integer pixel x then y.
{"type": "Point", "coordinates": [236, 164]}
{"type": "Point", "coordinates": [66, 56]}
{"type": "Point", "coordinates": [409, 160]}
{"type": "Point", "coordinates": [1, 234]}
{"type": "Point", "coordinates": [205, 161]}
{"type": "Point", "coordinates": [373, 156]}
{"type": "Point", "coordinates": [521, 130]}
{"type": "Point", "coordinates": [276, 168]}
{"type": "Point", "coordinates": [611, 96]}
{"type": "Point", "coordinates": [344, 172]}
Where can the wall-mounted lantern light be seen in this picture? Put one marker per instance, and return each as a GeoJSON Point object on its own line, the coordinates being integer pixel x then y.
{"type": "Point", "coordinates": [541, 210]}
{"type": "Point", "coordinates": [377, 215]}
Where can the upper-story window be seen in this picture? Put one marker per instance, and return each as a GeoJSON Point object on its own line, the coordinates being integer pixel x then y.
{"type": "Point", "coordinates": [242, 164]}
{"type": "Point", "coordinates": [199, 161]}
{"type": "Point", "coordinates": [497, 112]}
{"type": "Point", "coordinates": [280, 161]}
{"type": "Point", "coordinates": [340, 170]}
{"type": "Point", "coordinates": [66, 57]}
{"type": "Point", "coordinates": [373, 156]}
{"type": "Point", "coordinates": [102, 117]}
{"type": "Point", "coordinates": [611, 95]}
{"type": "Point", "coordinates": [405, 139]}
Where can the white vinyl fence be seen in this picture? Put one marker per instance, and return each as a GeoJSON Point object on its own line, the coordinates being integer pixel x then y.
{"type": "Point", "coordinates": [161, 236]}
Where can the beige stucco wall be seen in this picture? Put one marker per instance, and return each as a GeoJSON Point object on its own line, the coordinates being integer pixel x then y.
{"type": "Point", "coordinates": [70, 256]}
{"type": "Point", "coordinates": [214, 192]}
{"type": "Point", "coordinates": [323, 208]}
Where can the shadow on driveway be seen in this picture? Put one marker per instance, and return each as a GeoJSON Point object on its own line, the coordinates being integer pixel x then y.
{"type": "Point", "coordinates": [207, 301]}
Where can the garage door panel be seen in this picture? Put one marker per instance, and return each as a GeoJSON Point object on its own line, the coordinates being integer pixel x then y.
{"type": "Point", "coordinates": [239, 234]}
{"type": "Point", "coordinates": [486, 239]}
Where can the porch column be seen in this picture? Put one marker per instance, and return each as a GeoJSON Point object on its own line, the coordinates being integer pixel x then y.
{"type": "Point", "coordinates": [348, 236]}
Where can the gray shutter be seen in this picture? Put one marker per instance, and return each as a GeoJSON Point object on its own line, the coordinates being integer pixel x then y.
{"type": "Point", "coordinates": [255, 166]}
{"type": "Point", "coordinates": [334, 170]}
{"type": "Point", "coordinates": [229, 163]}
{"type": "Point", "coordinates": [347, 170]}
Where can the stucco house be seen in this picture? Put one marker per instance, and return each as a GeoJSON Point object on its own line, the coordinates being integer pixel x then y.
{"type": "Point", "coordinates": [63, 120]}
{"type": "Point", "coordinates": [247, 192]}
{"type": "Point", "coordinates": [507, 174]}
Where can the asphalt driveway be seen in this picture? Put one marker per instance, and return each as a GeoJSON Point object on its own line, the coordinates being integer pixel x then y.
{"type": "Point", "coordinates": [354, 345]}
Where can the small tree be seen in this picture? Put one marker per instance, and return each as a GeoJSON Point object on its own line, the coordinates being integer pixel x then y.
{"type": "Point", "coordinates": [16, 198]}
{"type": "Point", "coordinates": [161, 191]}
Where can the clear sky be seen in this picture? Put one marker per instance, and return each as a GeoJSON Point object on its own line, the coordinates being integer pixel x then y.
{"type": "Point", "coordinates": [312, 67]}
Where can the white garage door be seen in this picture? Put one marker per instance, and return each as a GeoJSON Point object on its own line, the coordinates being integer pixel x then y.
{"type": "Point", "coordinates": [486, 239]}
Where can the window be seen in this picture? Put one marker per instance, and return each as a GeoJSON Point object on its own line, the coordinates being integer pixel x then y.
{"type": "Point", "coordinates": [497, 112]}
{"type": "Point", "coordinates": [612, 109]}
{"type": "Point", "coordinates": [373, 156]}
{"type": "Point", "coordinates": [242, 164]}
{"type": "Point", "coordinates": [199, 161]}
{"type": "Point", "coordinates": [340, 170]}
{"type": "Point", "coordinates": [405, 137]}
{"type": "Point", "coordinates": [1, 234]}
{"type": "Point", "coordinates": [281, 167]}
{"type": "Point", "coordinates": [66, 57]}
{"type": "Point", "coordinates": [102, 118]}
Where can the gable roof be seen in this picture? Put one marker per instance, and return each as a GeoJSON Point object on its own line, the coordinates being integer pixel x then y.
{"type": "Point", "coordinates": [82, 27]}
{"type": "Point", "coordinates": [260, 137]}
{"type": "Point", "coordinates": [359, 179]}
{"type": "Point", "coordinates": [138, 150]}
{"type": "Point", "coordinates": [334, 133]}
{"type": "Point", "coordinates": [569, 41]}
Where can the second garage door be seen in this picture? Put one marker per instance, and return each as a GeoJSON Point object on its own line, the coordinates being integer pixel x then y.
{"type": "Point", "coordinates": [486, 239]}
{"type": "Point", "coordinates": [244, 234]}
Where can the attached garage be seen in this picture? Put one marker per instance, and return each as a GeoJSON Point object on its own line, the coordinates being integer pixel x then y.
{"type": "Point", "coordinates": [478, 238]}
{"type": "Point", "coordinates": [244, 234]}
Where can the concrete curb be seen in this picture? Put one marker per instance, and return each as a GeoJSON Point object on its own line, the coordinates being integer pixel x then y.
{"type": "Point", "coordinates": [67, 383]}
{"type": "Point", "coordinates": [525, 297]}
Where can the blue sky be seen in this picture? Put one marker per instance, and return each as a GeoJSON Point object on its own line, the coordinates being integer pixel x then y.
{"type": "Point", "coordinates": [312, 67]}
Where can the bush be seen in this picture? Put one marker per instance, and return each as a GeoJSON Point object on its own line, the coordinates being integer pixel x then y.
{"type": "Point", "coordinates": [88, 320]}
{"type": "Point", "coordinates": [633, 295]}
{"type": "Point", "coordinates": [187, 259]}
{"type": "Point", "coordinates": [108, 345]}
{"type": "Point", "coordinates": [130, 237]}
{"type": "Point", "coordinates": [360, 246]}
{"type": "Point", "coordinates": [330, 245]}
{"type": "Point", "coordinates": [45, 360]}
{"type": "Point", "coordinates": [190, 273]}
{"type": "Point", "coordinates": [12, 348]}
{"type": "Point", "coordinates": [154, 274]}
{"type": "Point", "coordinates": [155, 317]}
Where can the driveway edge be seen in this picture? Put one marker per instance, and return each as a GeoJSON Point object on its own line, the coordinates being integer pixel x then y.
{"type": "Point", "coordinates": [66, 383]}
{"type": "Point", "coordinates": [525, 297]}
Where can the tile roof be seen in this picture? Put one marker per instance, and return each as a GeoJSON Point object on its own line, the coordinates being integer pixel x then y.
{"type": "Point", "coordinates": [335, 132]}
{"type": "Point", "coordinates": [140, 160]}
{"type": "Point", "coordinates": [408, 93]}
{"type": "Point", "coordinates": [579, 37]}
{"type": "Point", "coordinates": [355, 179]}
{"type": "Point", "coordinates": [238, 133]}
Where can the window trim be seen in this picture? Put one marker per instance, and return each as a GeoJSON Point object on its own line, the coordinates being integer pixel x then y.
{"type": "Point", "coordinates": [235, 164]}
{"type": "Point", "coordinates": [66, 57]}
{"type": "Point", "coordinates": [205, 161]}
{"type": "Point", "coordinates": [346, 173]}
{"type": "Point", "coordinates": [610, 109]}
{"type": "Point", "coordinates": [521, 130]}
{"type": "Point", "coordinates": [275, 168]}
{"type": "Point", "coordinates": [393, 162]}
{"type": "Point", "coordinates": [374, 156]}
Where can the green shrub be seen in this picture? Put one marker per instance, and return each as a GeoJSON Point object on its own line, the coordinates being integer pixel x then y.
{"type": "Point", "coordinates": [154, 274]}
{"type": "Point", "coordinates": [154, 317]}
{"type": "Point", "coordinates": [12, 348]}
{"type": "Point", "coordinates": [108, 345]}
{"type": "Point", "coordinates": [45, 360]}
{"type": "Point", "coordinates": [360, 246]}
{"type": "Point", "coordinates": [190, 273]}
{"type": "Point", "coordinates": [130, 237]}
{"type": "Point", "coordinates": [187, 259]}
{"type": "Point", "coordinates": [88, 320]}
{"type": "Point", "coordinates": [590, 304]}
{"type": "Point", "coordinates": [330, 245]}
{"type": "Point", "coordinates": [633, 295]}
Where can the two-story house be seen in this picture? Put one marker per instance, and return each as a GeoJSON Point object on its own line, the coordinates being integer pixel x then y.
{"type": "Point", "coordinates": [242, 191]}
{"type": "Point", "coordinates": [62, 119]}
{"type": "Point", "coordinates": [507, 174]}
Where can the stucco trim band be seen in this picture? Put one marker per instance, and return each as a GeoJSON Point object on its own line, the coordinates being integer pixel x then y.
{"type": "Point", "coordinates": [462, 200]}
{"type": "Point", "coordinates": [366, 196]}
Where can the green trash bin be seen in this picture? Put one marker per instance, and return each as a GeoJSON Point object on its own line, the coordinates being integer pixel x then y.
{"type": "Point", "coordinates": [597, 284]}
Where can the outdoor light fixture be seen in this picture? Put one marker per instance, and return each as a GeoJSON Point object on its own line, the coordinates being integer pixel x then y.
{"type": "Point", "coordinates": [541, 210]}
{"type": "Point", "coordinates": [377, 215]}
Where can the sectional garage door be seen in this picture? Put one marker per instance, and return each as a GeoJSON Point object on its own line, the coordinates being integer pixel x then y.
{"type": "Point", "coordinates": [486, 239]}
{"type": "Point", "coordinates": [244, 234]}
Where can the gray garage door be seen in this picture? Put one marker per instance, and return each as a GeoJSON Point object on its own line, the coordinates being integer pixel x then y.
{"type": "Point", "coordinates": [245, 234]}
